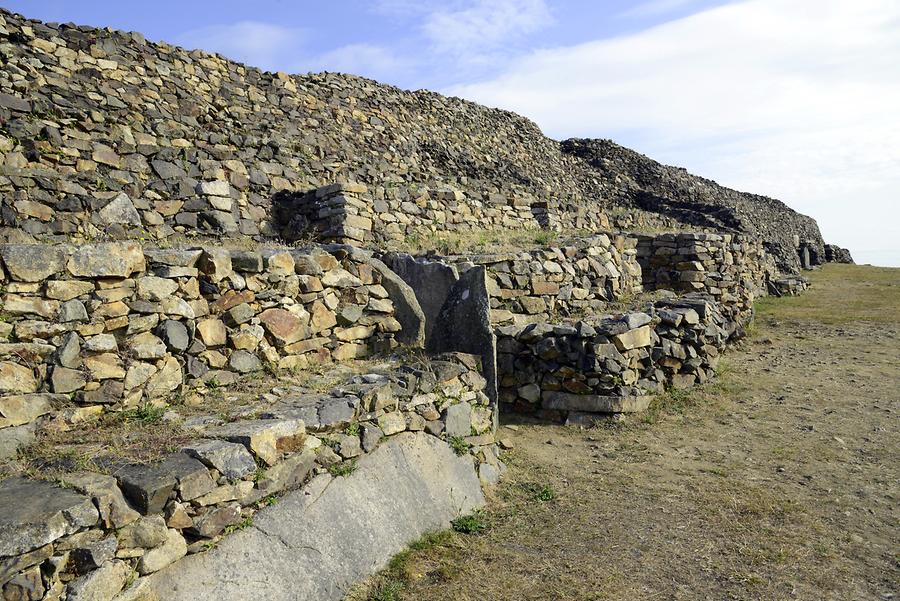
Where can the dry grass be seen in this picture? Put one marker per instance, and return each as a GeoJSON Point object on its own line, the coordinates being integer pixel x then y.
{"type": "Point", "coordinates": [138, 436]}
{"type": "Point", "coordinates": [779, 480]}
{"type": "Point", "coordinates": [842, 294]}
{"type": "Point", "coordinates": [148, 433]}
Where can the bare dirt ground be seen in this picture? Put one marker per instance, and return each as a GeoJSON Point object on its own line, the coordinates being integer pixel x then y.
{"type": "Point", "coordinates": [781, 480]}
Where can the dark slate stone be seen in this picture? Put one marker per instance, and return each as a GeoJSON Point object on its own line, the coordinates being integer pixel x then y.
{"type": "Point", "coordinates": [371, 434]}
{"type": "Point", "coordinates": [93, 555]}
{"type": "Point", "coordinates": [430, 280]}
{"type": "Point", "coordinates": [174, 334]}
{"type": "Point", "coordinates": [246, 261]}
{"type": "Point", "coordinates": [193, 477]}
{"type": "Point", "coordinates": [15, 103]}
{"type": "Point", "coordinates": [167, 170]}
{"type": "Point", "coordinates": [469, 303]}
{"type": "Point", "coordinates": [230, 458]}
{"type": "Point", "coordinates": [244, 362]}
{"type": "Point", "coordinates": [196, 368]}
{"type": "Point", "coordinates": [147, 487]}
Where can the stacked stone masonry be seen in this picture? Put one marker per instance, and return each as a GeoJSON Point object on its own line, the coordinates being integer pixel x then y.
{"type": "Point", "coordinates": [349, 214]}
{"type": "Point", "coordinates": [105, 134]}
{"type": "Point", "coordinates": [111, 325]}
{"type": "Point", "coordinates": [613, 364]}
{"type": "Point", "coordinates": [632, 180]}
{"type": "Point", "coordinates": [733, 270]}
{"type": "Point", "coordinates": [580, 278]}
{"type": "Point", "coordinates": [98, 535]}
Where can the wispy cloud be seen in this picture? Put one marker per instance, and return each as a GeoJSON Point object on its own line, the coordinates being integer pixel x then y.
{"type": "Point", "coordinates": [484, 24]}
{"type": "Point", "coordinates": [264, 45]}
{"type": "Point", "coordinates": [793, 99]}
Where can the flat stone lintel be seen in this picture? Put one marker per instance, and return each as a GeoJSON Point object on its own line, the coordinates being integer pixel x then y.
{"type": "Point", "coordinates": [593, 403]}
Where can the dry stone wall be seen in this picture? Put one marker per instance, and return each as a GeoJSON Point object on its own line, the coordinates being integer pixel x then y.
{"type": "Point", "coordinates": [348, 213]}
{"type": "Point", "coordinates": [836, 254]}
{"type": "Point", "coordinates": [111, 325]}
{"type": "Point", "coordinates": [101, 532]}
{"type": "Point", "coordinates": [105, 134]}
{"type": "Point", "coordinates": [572, 279]}
{"type": "Point", "coordinates": [633, 180]}
{"type": "Point", "coordinates": [733, 270]}
{"type": "Point", "coordinates": [613, 364]}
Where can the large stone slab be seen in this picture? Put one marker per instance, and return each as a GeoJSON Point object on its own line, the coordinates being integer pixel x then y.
{"type": "Point", "coordinates": [431, 282]}
{"type": "Point", "coordinates": [107, 260]}
{"type": "Point", "coordinates": [33, 262]}
{"type": "Point", "coordinates": [316, 542]}
{"type": "Point", "coordinates": [464, 325]}
{"type": "Point", "coordinates": [593, 403]}
{"type": "Point", "coordinates": [36, 513]}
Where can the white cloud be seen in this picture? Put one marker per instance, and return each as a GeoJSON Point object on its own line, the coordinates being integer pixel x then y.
{"type": "Point", "coordinates": [258, 44]}
{"type": "Point", "coordinates": [484, 24]}
{"type": "Point", "coordinates": [792, 99]}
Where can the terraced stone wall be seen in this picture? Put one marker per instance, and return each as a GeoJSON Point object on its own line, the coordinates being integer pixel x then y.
{"type": "Point", "coordinates": [577, 278]}
{"type": "Point", "coordinates": [611, 364]}
{"type": "Point", "coordinates": [636, 181]}
{"type": "Point", "coordinates": [102, 132]}
{"type": "Point", "coordinates": [348, 213]}
{"type": "Point", "coordinates": [105, 134]}
{"type": "Point", "coordinates": [734, 270]}
{"type": "Point", "coordinates": [89, 535]}
{"type": "Point", "coordinates": [112, 325]}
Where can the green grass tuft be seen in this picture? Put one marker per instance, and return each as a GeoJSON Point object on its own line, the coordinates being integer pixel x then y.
{"type": "Point", "coordinates": [146, 413]}
{"type": "Point", "coordinates": [474, 523]}
{"type": "Point", "coordinates": [344, 468]}
{"type": "Point", "coordinates": [459, 445]}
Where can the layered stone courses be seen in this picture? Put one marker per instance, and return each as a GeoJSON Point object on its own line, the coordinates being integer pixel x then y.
{"type": "Point", "coordinates": [98, 529]}
{"type": "Point", "coordinates": [733, 270]}
{"type": "Point", "coordinates": [612, 364]}
{"type": "Point", "coordinates": [98, 139]}
{"type": "Point", "coordinates": [105, 133]}
{"type": "Point", "coordinates": [349, 213]}
{"type": "Point", "coordinates": [106, 136]}
{"type": "Point", "coordinates": [560, 281]}
{"type": "Point", "coordinates": [636, 182]}
{"type": "Point", "coordinates": [580, 276]}
{"type": "Point", "coordinates": [113, 325]}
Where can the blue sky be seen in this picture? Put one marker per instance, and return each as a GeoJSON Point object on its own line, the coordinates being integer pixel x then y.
{"type": "Point", "coordinates": [410, 43]}
{"type": "Point", "coordinates": [791, 98]}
